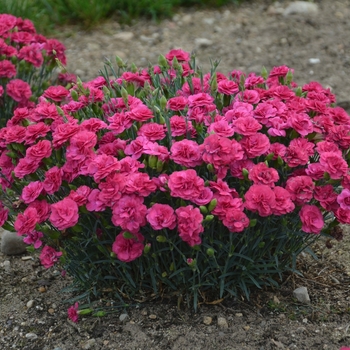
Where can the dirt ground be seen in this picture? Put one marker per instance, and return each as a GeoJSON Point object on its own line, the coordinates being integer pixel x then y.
{"type": "Point", "coordinates": [33, 312]}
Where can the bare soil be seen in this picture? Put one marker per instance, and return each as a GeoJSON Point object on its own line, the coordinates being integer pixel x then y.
{"type": "Point", "coordinates": [247, 38]}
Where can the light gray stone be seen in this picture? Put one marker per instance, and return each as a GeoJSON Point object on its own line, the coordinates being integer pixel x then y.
{"type": "Point", "coordinates": [12, 244]}
{"type": "Point", "coordinates": [123, 317]}
{"type": "Point", "coordinates": [30, 304]}
{"type": "Point", "coordinates": [207, 320]}
{"type": "Point", "coordinates": [124, 36]}
{"type": "Point", "coordinates": [89, 344]}
{"type": "Point", "coordinates": [203, 42]}
{"type": "Point", "coordinates": [31, 336]}
{"type": "Point", "coordinates": [302, 295]}
{"type": "Point", "coordinates": [222, 323]}
{"type": "Point", "coordinates": [301, 7]}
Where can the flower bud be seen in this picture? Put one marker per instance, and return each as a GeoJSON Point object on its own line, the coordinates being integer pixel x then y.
{"type": "Point", "coordinates": [203, 209]}
{"type": "Point", "coordinates": [133, 68]}
{"type": "Point", "coordinates": [264, 73]}
{"type": "Point", "coordinates": [163, 101]}
{"type": "Point", "coordinates": [100, 314]}
{"type": "Point", "coordinates": [171, 267]}
{"type": "Point", "coordinates": [214, 83]}
{"type": "Point", "coordinates": [128, 235]}
{"type": "Point", "coordinates": [162, 62]}
{"type": "Point", "coordinates": [208, 218]}
{"type": "Point", "coordinates": [106, 91]}
{"type": "Point", "coordinates": [175, 64]}
{"type": "Point", "coordinates": [161, 120]}
{"type": "Point", "coordinates": [280, 161]}
{"type": "Point", "coordinates": [124, 95]}
{"type": "Point", "coordinates": [212, 204]}
{"type": "Point", "coordinates": [192, 263]}
{"type": "Point", "coordinates": [210, 168]}
{"type": "Point", "coordinates": [74, 95]}
{"type": "Point", "coordinates": [112, 255]}
{"type": "Point", "coordinates": [159, 166]}
{"type": "Point", "coordinates": [253, 222]}
{"type": "Point", "coordinates": [84, 311]}
{"type": "Point", "coordinates": [289, 78]}
{"type": "Point", "coordinates": [269, 156]}
{"type": "Point", "coordinates": [119, 61]}
{"type": "Point", "coordinates": [152, 162]}
{"type": "Point", "coordinates": [245, 173]}
{"type": "Point", "coordinates": [210, 252]}
{"type": "Point", "coordinates": [121, 153]}
{"type": "Point", "coordinates": [161, 239]}
{"type": "Point", "coordinates": [147, 248]}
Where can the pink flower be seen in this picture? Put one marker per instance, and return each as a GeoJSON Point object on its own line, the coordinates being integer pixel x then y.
{"type": "Point", "coordinates": [64, 214]}
{"type": "Point", "coordinates": [103, 165]}
{"type": "Point", "coordinates": [31, 54]}
{"type": "Point", "coordinates": [236, 221]}
{"type": "Point", "coordinates": [344, 199]}
{"type": "Point", "coordinates": [301, 189]}
{"type": "Point", "coordinates": [334, 164]}
{"type": "Point", "coordinates": [246, 126]}
{"type": "Point", "coordinates": [284, 204]}
{"type": "Point", "coordinates": [73, 313]}
{"type": "Point", "coordinates": [185, 184]}
{"type": "Point", "coordinates": [19, 90]}
{"type": "Point", "coordinates": [311, 218]}
{"type": "Point", "coordinates": [327, 197]}
{"type": "Point", "coordinates": [299, 152]}
{"type": "Point", "coordinates": [261, 174]}
{"type": "Point", "coordinates": [129, 213]}
{"type": "Point", "coordinates": [81, 145]}
{"type": "Point", "coordinates": [35, 131]}
{"type": "Point", "coordinates": [53, 180]}
{"type": "Point", "coordinates": [220, 151]}
{"type": "Point", "coordinates": [56, 93]}
{"type": "Point", "coordinates": [42, 209]}
{"type": "Point", "coordinates": [255, 145]}
{"type": "Point", "coordinates": [26, 221]}
{"type": "Point", "coordinates": [221, 128]}
{"type": "Point", "coordinates": [301, 123]}
{"type": "Point", "coordinates": [180, 126]}
{"type": "Point", "coordinates": [128, 249]}
{"type": "Point", "coordinates": [153, 131]}
{"type": "Point", "coordinates": [227, 87]}
{"type": "Point", "coordinates": [140, 113]}
{"type": "Point", "coordinates": [181, 56]}
{"type": "Point", "coordinates": [139, 184]}
{"type": "Point", "coordinates": [7, 69]}
{"type": "Point", "coordinates": [261, 199]}
{"type": "Point", "coordinates": [34, 238]}
{"type": "Point", "coordinates": [186, 153]}
{"type": "Point", "coordinates": [40, 150]}
{"type": "Point", "coordinates": [80, 195]}
{"type": "Point", "coordinates": [177, 103]}
{"type": "Point", "coordinates": [63, 133]}
{"type": "Point", "coordinates": [189, 224]}
{"type": "Point", "coordinates": [32, 191]}
{"type": "Point", "coordinates": [161, 216]}
{"type": "Point", "coordinates": [49, 256]}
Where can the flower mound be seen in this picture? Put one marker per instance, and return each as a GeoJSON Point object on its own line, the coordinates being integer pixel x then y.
{"type": "Point", "coordinates": [165, 178]}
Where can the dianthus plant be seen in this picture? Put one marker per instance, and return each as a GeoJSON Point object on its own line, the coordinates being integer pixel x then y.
{"type": "Point", "coordinates": [170, 179]}
{"type": "Point", "coordinates": [27, 64]}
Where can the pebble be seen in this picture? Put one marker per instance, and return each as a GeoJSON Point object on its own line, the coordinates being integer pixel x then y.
{"type": "Point", "coordinates": [124, 36]}
{"type": "Point", "coordinates": [123, 317]}
{"type": "Point", "coordinates": [203, 42]}
{"type": "Point", "coordinates": [25, 258]}
{"type": "Point", "coordinates": [42, 289]}
{"type": "Point", "coordinates": [152, 316]}
{"type": "Point", "coordinates": [12, 244]}
{"type": "Point", "coordinates": [302, 295]}
{"type": "Point", "coordinates": [51, 311]}
{"type": "Point", "coordinates": [246, 328]}
{"type": "Point", "coordinates": [314, 60]}
{"type": "Point", "coordinates": [239, 314]}
{"type": "Point", "coordinates": [30, 304]}
{"type": "Point", "coordinates": [222, 323]}
{"type": "Point", "coordinates": [31, 336]}
{"type": "Point", "coordinates": [207, 320]}
{"type": "Point", "coordinates": [7, 265]}
{"type": "Point", "coordinates": [301, 7]}
{"type": "Point", "coordinates": [89, 344]}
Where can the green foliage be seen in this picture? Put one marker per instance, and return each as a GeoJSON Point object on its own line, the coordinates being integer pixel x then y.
{"type": "Point", "coordinates": [46, 14]}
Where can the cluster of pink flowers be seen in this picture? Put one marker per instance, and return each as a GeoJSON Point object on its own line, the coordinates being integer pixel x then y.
{"type": "Point", "coordinates": [224, 148]}
{"type": "Point", "coordinates": [22, 52]}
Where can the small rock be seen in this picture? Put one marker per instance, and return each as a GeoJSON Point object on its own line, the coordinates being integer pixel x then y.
{"type": "Point", "coordinates": [25, 258]}
{"type": "Point", "coordinates": [222, 323]}
{"type": "Point", "coordinates": [7, 265]}
{"type": "Point", "coordinates": [93, 47]}
{"type": "Point", "coordinates": [54, 306]}
{"type": "Point", "coordinates": [186, 19]}
{"type": "Point", "coordinates": [51, 311]}
{"type": "Point", "coordinates": [144, 312]}
{"type": "Point", "coordinates": [12, 244]}
{"type": "Point", "coordinates": [30, 304]}
{"type": "Point", "coordinates": [302, 295]}
{"type": "Point", "coordinates": [314, 60]}
{"type": "Point", "coordinates": [31, 336]}
{"type": "Point", "coordinates": [209, 21]}
{"type": "Point", "coordinates": [203, 42]}
{"type": "Point", "coordinates": [89, 344]}
{"type": "Point", "coordinates": [207, 320]}
{"type": "Point", "coordinates": [239, 314]}
{"type": "Point", "coordinates": [152, 316]}
{"type": "Point", "coordinates": [246, 328]}
{"type": "Point", "coordinates": [123, 317]}
{"type": "Point", "coordinates": [301, 7]}
{"type": "Point", "coordinates": [124, 36]}
{"type": "Point", "coordinates": [42, 289]}
{"type": "Point", "coordinates": [276, 300]}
